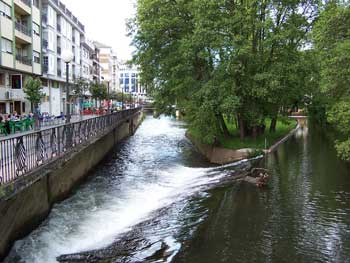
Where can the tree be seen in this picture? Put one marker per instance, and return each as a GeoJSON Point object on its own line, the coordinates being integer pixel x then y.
{"type": "Point", "coordinates": [218, 59]}
{"type": "Point", "coordinates": [332, 41]}
{"type": "Point", "coordinates": [98, 91]}
{"type": "Point", "coordinates": [79, 89]}
{"type": "Point", "coordinates": [33, 89]}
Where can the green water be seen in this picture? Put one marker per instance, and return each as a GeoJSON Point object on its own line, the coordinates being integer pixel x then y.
{"type": "Point", "coordinates": [303, 216]}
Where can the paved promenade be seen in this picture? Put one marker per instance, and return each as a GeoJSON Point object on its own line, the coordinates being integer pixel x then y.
{"type": "Point", "coordinates": [11, 157]}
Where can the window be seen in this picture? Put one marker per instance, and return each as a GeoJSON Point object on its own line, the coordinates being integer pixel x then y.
{"type": "Point", "coordinates": [36, 29]}
{"type": "Point", "coordinates": [46, 60]}
{"type": "Point", "coordinates": [6, 46]}
{"type": "Point", "coordinates": [36, 57]}
{"type": "Point", "coordinates": [2, 108]}
{"type": "Point", "coordinates": [5, 10]}
{"type": "Point", "coordinates": [2, 79]}
{"type": "Point", "coordinates": [16, 81]}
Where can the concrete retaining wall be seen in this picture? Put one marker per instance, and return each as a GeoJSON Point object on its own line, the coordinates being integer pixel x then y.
{"type": "Point", "coordinates": [32, 197]}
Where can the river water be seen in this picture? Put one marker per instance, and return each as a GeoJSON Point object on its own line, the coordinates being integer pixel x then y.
{"type": "Point", "coordinates": [155, 199]}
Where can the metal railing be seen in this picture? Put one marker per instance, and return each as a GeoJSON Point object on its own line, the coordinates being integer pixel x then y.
{"type": "Point", "coordinates": [27, 2]}
{"type": "Point", "coordinates": [23, 28]}
{"type": "Point", "coordinates": [24, 60]}
{"type": "Point", "coordinates": [22, 154]}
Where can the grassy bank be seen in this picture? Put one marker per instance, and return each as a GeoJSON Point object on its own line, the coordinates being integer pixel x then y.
{"type": "Point", "coordinates": [235, 143]}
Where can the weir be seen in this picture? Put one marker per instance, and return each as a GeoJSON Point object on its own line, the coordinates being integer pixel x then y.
{"type": "Point", "coordinates": [40, 168]}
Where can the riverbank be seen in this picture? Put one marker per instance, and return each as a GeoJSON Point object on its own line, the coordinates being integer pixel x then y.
{"type": "Point", "coordinates": [233, 149]}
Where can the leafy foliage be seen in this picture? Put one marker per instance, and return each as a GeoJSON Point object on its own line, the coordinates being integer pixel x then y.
{"type": "Point", "coordinates": [80, 88]}
{"type": "Point", "coordinates": [33, 89]}
{"type": "Point", "coordinates": [98, 91]}
{"type": "Point", "coordinates": [332, 40]}
{"type": "Point", "coordinates": [219, 58]}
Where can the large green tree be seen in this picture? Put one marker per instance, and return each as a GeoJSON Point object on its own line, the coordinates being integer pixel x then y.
{"type": "Point", "coordinates": [332, 41]}
{"type": "Point", "coordinates": [217, 59]}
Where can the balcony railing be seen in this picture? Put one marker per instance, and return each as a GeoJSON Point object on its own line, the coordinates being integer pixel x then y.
{"type": "Point", "coordinates": [27, 2]}
{"type": "Point", "coordinates": [24, 29]}
{"type": "Point", "coordinates": [24, 60]}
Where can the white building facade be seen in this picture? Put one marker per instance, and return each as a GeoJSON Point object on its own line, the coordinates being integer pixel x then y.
{"type": "Point", "coordinates": [61, 31]}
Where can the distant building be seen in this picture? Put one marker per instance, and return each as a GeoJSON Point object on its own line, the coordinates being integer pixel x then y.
{"type": "Point", "coordinates": [20, 30]}
{"type": "Point", "coordinates": [96, 67]}
{"type": "Point", "coordinates": [129, 80]}
{"type": "Point", "coordinates": [109, 65]}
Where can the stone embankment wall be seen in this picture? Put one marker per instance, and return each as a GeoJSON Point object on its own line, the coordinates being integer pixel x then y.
{"type": "Point", "coordinates": [32, 197]}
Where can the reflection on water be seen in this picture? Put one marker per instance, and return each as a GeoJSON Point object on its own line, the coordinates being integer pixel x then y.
{"type": "Point", "coordinates": [156, 196]}
{"type": "Point", "coordinates": [304, 215]}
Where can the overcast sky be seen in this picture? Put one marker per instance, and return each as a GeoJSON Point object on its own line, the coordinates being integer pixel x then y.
{"type": "Point", "coordinates": [104, 21]}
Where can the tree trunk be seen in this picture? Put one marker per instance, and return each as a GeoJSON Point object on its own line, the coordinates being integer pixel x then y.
{"type": "Point", "coordinates": [241, 128]}
{"type": "Point", "coordinates": [223, 125]}
{"type": "Point", "coordinates": [36, 117]}
{"type": "Point", "coordinates": [273, 124]}
{"type": "Point", "coordinates": [255, 132]}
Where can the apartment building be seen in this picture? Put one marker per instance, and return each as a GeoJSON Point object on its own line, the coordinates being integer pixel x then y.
{"type": "Point", "coordinates": [20, 30]}
{"type": "Point", "coordinates": [109, 65]}
{"type": "Point", "coordinates": [96, 67]}
{"type": "Point", "coordinates": [61, 31]}
{"type": "Point", "coordinates": [87, 52]}
{"type": "Point", "coordinates": [129, 79]}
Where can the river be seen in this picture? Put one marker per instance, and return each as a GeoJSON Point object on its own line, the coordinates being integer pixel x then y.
{"type": "Point", "coordinates": [155, 199]}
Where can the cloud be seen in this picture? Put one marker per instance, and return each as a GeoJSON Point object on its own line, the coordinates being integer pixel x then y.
{"type": "Point", "coordinates": [105, 21]}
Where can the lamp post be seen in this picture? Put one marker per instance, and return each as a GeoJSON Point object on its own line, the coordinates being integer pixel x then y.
{"type": "Point", "coordinates": [122, 97]}
{"type": "Point", "coordinates": [67, 57]}
{"type": "Point", "coordinates": [107, 79]}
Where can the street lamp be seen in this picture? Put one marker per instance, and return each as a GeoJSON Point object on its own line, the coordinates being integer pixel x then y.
{"type": "Point", "coordinates": [107, 79]}
{"type": "Point", "coordinates": [123, 97]}
{"type": "Point", "coordinates": [67, 57]}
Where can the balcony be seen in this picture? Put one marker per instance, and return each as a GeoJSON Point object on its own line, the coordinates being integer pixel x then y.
{"type": "Point", "coordinates": [23, 34]}
{"type": "Point", "coordinates": [27, 2]}
{"type": "Point", "coordinates": [24, 60]}
{"type": "Point", "coordinates": [23, 7]}
{"type": "Point", "coordinates": [24, 63]}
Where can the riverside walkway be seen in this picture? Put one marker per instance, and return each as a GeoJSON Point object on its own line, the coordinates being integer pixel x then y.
{"type": "Point", "coordinates": [23, 152]}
